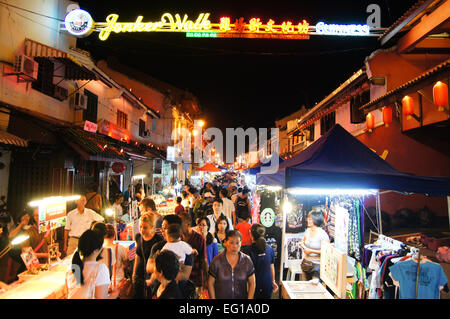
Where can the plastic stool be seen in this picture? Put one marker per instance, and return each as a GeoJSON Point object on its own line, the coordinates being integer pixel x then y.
{"type": "Point", "coordinates": [294, 270]}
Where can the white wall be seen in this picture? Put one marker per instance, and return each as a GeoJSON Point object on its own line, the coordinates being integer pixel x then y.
{"type": "Point", "coordinates": [16, 25]}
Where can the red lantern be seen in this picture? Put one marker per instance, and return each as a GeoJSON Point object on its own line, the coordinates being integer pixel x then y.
{"type": "Point", "coordinates": [440, 95]}
{"type": "Point", "coordinates": [370, 121]}
{"type": "Point", "coordinates": [118, 167]}
{"type": "Point", "coordinates": [408, 106]}
{"type": "Point", "coordinates": [387, 115]}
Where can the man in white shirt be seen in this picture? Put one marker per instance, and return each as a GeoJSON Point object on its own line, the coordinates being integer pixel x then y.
{"type": "Point", "coordinates": [78, 221]}
{"type": "Point", "coordinates": [217, 208]}
{"type": "Point", "coordinates": [228, 206]}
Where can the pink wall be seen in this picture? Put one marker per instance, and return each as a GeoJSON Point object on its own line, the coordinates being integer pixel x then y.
{"type": "Point", "coordinates": [410, 156]}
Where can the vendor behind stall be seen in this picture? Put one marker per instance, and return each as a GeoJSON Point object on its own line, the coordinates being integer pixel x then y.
{"type": "Point", "coordinates": [311, 245]}
{"type": "Point", "coordinates": [78, 221]}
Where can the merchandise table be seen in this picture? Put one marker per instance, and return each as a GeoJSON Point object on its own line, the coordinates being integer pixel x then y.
{"type": "Point", "coordinates": [303, 290]}
{"type": "Point", "coordinates": [49, 284]}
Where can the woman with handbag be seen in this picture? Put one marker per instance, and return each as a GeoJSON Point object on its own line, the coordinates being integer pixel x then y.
{"type": "Point", "coordinates": [311, 245]}
{"type": "Point", "coordinates": [87, 278]}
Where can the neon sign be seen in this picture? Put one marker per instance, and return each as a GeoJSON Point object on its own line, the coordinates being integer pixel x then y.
{"type": "Point", "coordinates": [342, 29]}
{"type": "Point", "coordinates": [78, 22]}
{"type": "Point", "coordinates": [167, 24]}
{"type": "Point", "coordinates": [202, 27]}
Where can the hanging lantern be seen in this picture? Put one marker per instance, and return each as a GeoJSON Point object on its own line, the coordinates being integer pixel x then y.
{"type": "Point", "coordinates": [387, 115]}
{"type": "Point", "coordinates": [440, 95]}
{"type": "Point", "coordinates": [370, 121]}
{"type": "Point", "coordinates": [118, 167]}
{"type": "Point", "coordinates": [408, 106]}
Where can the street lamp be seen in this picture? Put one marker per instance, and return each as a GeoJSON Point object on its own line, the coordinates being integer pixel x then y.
{"type": "Point", "coordinates": [17, 240]}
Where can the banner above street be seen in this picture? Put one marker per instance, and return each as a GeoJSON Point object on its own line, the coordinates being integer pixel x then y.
{"type": "Point", "coordinates": [79, 23]}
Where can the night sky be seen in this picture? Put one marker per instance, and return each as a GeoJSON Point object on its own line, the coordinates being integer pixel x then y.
{"type": "Point", "coordinates": [244, 82]}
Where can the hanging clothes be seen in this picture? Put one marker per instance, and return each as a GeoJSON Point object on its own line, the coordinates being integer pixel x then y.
{"type": "Point", "coordinates": [431, 277]}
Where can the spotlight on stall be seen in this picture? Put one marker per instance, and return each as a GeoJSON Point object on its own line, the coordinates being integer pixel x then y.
{"type": "Point", "coordinates": [287, 207]}
{"type": "Point", "coordinates": [109, 212]}
{"type": "Point", "coordinates": [52, 200]}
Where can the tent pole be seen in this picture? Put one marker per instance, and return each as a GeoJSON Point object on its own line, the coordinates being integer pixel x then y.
{"type": "Point", "coordinates": [380, 222]}
{"type": "Point", "coordinates": [283, 228]}
{"type": "Point", "coordinates": [448, 208]}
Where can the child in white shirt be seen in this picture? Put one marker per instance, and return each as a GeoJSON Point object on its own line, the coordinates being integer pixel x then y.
{"type": "Point", "coordinates": [176, 245]}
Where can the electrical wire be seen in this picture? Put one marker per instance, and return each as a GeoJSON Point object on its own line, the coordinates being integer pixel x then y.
{"type": "Point", "coordinates": [29, 11]}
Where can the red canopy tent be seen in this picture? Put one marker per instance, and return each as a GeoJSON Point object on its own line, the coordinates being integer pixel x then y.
{"type": "Point", "coordinates": [209, 167]}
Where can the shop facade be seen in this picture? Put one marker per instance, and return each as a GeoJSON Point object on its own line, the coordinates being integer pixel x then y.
{"type": "Point", "coordinates": [410, 63]}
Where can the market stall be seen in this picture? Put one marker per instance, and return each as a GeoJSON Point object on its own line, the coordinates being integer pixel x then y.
{"type": "Point", "coordinates": [334, 175]}
{"type": "Point", "coordinates": [46, 284]}
{"type": "Point", "coordinates": [43, 280]}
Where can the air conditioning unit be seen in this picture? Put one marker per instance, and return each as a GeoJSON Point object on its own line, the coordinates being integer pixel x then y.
{"type": "Point", "coordinates": [79, 101]}
{"type": "Point", "coordinates": [25, 65]}
{"type": "Point", "coordinates": [60, 93]}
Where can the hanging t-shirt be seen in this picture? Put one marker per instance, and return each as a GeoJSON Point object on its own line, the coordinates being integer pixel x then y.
{"type": "Point", "coordinates": [273, 239]}
{"type": "Point", "coordinates": [431, 277]}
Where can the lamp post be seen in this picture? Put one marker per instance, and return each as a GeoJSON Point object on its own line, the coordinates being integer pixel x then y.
{"type": "Point", "coordinates": [17, 240]}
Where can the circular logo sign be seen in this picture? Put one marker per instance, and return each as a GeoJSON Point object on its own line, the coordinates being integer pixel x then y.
{"type": "Point", "coordinates": [267, 217]}
{"type": "Point", "coordinates": [78, 22]}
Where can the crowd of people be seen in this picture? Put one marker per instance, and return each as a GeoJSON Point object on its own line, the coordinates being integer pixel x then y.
{"type": "Point", "coordinates": [207, 248]}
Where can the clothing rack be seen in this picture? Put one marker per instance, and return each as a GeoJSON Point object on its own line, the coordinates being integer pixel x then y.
{"type": "Point", "coordinates": [392, 243]}
{"type": "Point", "coordinates": [396, 244]}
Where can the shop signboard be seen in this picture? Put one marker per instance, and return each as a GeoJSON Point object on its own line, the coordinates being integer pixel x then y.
{"type": "Point", "coordinates": [79, 22]}
{"type": "Point", "coordinates": [201, 26]}
{"type": "Point", "coordinates": [170, 153]}
{"type": "Point", "coordinates": [90, 127]}
{"type": "Point", "coordinates": [113, 131]}
{"type": "Point", "coordinates": [52, 214]}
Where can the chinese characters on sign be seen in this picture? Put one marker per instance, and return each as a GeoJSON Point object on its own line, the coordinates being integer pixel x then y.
{"type": "Point", "coordinates": [255, 28]}
{"type": "Point", "coordinates": [79, 23]}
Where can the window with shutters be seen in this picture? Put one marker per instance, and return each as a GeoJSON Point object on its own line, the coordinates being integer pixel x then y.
{"type": "Point", "coordinates": [44, 82]}
{"type": "Point", "coordinates": [357, 115]}
{"type": "Point", "coordinates": [90, 114]}
{"type": "Point", "coordinates": [310, 135]}
{"type": "Point", "coordinates": [122, 119]}
{"type": "Point", "coordinates": [141, 127]}
{"type": "Point", "coordinates": [327, 122]}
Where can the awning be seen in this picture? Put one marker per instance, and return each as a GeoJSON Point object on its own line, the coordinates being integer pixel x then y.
{"type": "Point", "coordinates": [73, 71]}
{"type": "Point", "coordinates": [208, 167]}
{"type": "Point", "coordinates": [427, 78]}
{"type": "Point", "coordinates": [10, 139]}
{"type": "Point", "coordinates": [92, 146]}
